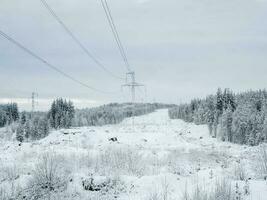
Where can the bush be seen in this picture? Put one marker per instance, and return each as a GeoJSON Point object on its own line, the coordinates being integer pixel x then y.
{"type": "Point", "coordinates": [240, 172]}
{"type": "Point", "coordinates": [3, 194]}
{"type": "Point", "coordinates": [6, 194]}
{"type": "Point", "coordinates": [105, 186]}
{"type": "Point", "coordinates": [9, 172]}
{"type": "Point", "coordinates": [119, 161]}
{"type": "Point", "coordinates": [49, 177]}
{"type": "Point", "coordinates": [221, 191]}
{"type": "Point", "coordinates": [154, 195]}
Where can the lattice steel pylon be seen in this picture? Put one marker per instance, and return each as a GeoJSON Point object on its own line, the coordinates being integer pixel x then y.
{"type": "Point", "coordinates": [132, 84]}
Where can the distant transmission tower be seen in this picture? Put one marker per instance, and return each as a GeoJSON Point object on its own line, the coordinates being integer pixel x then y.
{"type": "Point", "coordinates": [132, 84]}
{"type": "Point", "coordinates": [34, 96]}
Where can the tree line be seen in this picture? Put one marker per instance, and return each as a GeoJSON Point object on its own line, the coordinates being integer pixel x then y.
{"type": "Point", "coordinates": [113, 113]}
{"type": "Point", "coordinates": [239, 118]}
{"type": "Point", "coordinates": [62, 114]}
{"type": "Point", "coordinates": [37, 125]}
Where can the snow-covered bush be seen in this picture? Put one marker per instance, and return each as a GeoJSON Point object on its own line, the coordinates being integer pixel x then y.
{"type": "Point", "coordinates": [49, 177]}
{"type": "Point", "coordinates": [240, 172]}
{"type": "Point", "coordinates": [9, 172]}
{"type": "Point", "coordinates": [178, 165]}
{"type": "Point", "coordinates": [3, 194]}
{"type": "Point", "coordinates": [8, 193]}
{"type": "Point", "coordinates": [162, 191]}
{"type": "Point", "coordinates": [165, 189]}
{"type": "Point", "coordinates": [105, 186]}
{"type": "Point", "coordinates": [115, 161]}
{"type": "Point", "coordinates": [222, 190]}
{"type": "Point", "coordinates": [154, 195]}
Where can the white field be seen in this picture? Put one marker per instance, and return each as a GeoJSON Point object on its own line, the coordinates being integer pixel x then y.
{"type": "Point", "coordinates": [153, 155]}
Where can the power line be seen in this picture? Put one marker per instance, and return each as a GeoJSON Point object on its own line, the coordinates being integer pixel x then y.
{"type": "Point", "coordinates": [115, 33]}
{"type": "Point", "coordinates": [48, 64]}
{"type": "Point", "coordinates": [78, 42]}
{"type": "Point", "coordinates": [132, 84]}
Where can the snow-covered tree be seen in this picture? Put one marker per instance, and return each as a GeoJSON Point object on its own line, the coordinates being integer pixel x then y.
{"type": "Point", "coordinates": [61, 114]}
{"type": "Point", "coordinates": [226, 125]}
{"type": "Point", "coordinates": [219, 101]}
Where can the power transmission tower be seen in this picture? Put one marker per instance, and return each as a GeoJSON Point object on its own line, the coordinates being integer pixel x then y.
{"type": "Point", "coordinates": [132, 84]}
{"type": "Point", "coordinates": [34, 95]}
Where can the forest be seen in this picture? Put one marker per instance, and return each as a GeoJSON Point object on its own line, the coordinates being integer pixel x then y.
{"type": "Point", "coordinates": [238, 118]}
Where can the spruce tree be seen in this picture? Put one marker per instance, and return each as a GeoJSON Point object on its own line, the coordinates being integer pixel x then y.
{"type": "Point", "coordinates": [226, 125]}
{"type": "Point", "coordinates": [23, 118]}
{"type": "Point", "coordinates": [219, 101]}
{"type": "Point", "coordinates": [61, 114]}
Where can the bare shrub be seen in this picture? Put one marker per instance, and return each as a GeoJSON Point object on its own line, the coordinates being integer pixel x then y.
{"type": "Point", "coordinates": [200, 194]}
{"type": "Point", "coordinates": [186, 195]}
{"type": "Point", "coordinates": [154, 195]}
{"type": "Point", "coordinates": [240, 172]}
{"type": "Point", "coordinates": [9, 172]}
{"type": "Point", "coordinates": [4, 194]}
{"type": "Point", "coordinates": [165, 189]}
{"type": "Point", "coordinates": [49, 177]}
{"type": "Point", "coordinates": [115, 161]}
{"type": "Point", "coordinates": [222, 191]}
{"type": "Point", "coordinates": [177, 164]}
{"type": "Point", "coordinates": [9, 191]}
{"type": "Point", "coordinates": [162, 192]}
{"type": "Point", "coordinates": [86, 160]}
{"type": "Point", "coordinates": [104, 186]}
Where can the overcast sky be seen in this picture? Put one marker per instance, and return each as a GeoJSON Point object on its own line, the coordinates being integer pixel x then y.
{"type": "Point", "coordinates": [179, 49]}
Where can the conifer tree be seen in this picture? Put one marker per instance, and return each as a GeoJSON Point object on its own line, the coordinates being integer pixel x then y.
{"type": "Point", "coordinates": [226, 125]}
{"type": "Point", "coordinates": [23, 118]}
{"type": "Point", "coordinates": [219, 101]}
{"type": "Point", "coordinates": [61, 114]}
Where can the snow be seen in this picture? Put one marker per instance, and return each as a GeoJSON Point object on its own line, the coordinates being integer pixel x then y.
{"type": "Point", "coordinates": [165, 153]}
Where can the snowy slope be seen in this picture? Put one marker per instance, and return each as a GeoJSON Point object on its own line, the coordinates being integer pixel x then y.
{"type": "Point", "coordinates": [151, 153]}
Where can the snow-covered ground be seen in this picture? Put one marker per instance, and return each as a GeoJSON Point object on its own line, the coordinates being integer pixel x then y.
{"type": "Point", "coordinates": [149, 156]}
